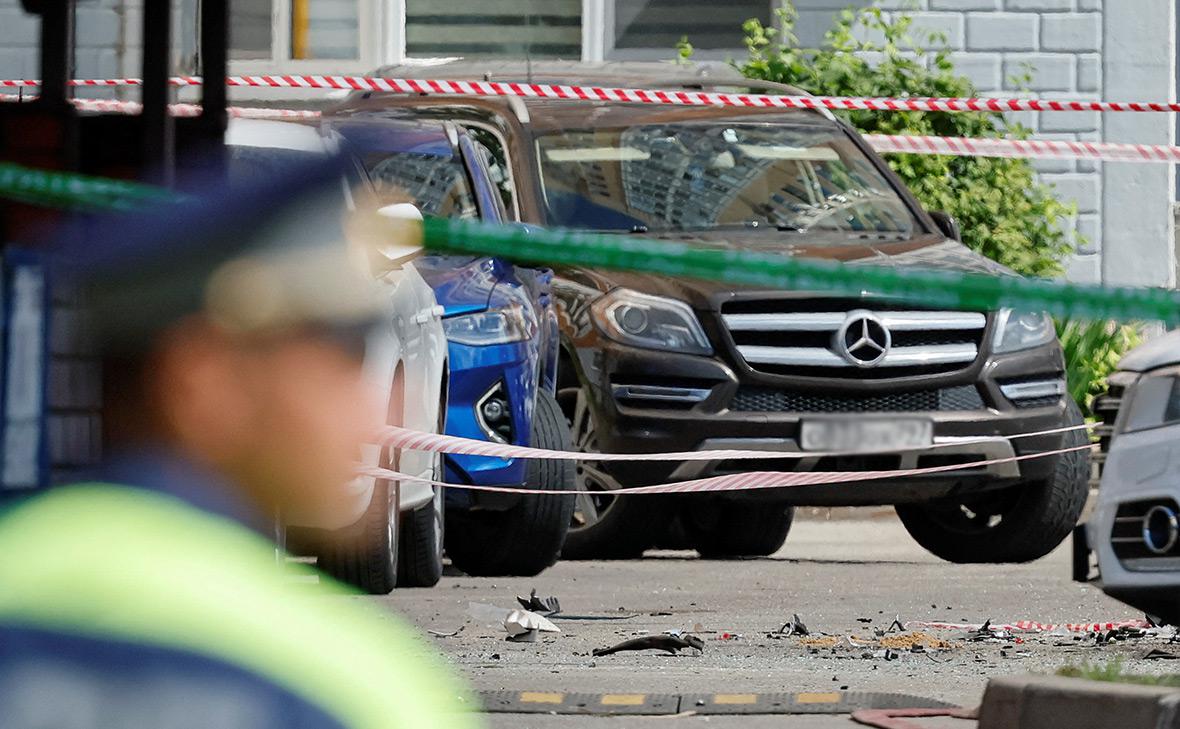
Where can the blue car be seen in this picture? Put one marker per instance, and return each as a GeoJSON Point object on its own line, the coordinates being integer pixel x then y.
{"type": "Point", "coordinates": [502, 333]}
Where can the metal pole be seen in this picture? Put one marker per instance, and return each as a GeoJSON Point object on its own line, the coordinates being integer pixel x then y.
{"type": "Point", "coordinates": [57, 51]}
{"type": "Point", "coordinates": [214, 53]}
{"type": "Point", "coordinates": [158, 134]}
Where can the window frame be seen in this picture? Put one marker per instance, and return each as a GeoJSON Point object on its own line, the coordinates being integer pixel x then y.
{"type": "Point", "coordinates": [380, 41]}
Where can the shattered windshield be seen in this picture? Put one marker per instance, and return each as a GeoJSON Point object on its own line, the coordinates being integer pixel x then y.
{"type": "Point", "coordinates": [694, 176]}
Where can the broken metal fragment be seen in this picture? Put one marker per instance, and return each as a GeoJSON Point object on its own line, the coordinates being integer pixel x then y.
{"type": "Point", "coordinates": [544, 605]}
{"type": "Point", "coordinates": [666, 642]}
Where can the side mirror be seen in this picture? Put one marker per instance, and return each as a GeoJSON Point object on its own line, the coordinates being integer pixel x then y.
{"type": "Point", "coordinates": [946, 224]}
{"type": "Point", "coordinates": [401, 211]}
{"type": "Point", "coordinates": [404, 241]}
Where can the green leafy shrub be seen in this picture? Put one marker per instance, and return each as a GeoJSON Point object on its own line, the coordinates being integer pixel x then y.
{"type": "Point", "coordinates": [1092, 352]}
{"type": "Point", "coordinates": [1003, 211]}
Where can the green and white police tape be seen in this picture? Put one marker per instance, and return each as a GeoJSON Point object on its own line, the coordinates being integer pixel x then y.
{"type": "Point", "coordinates": [73, 191]}
{"type": "Point", "coordinates": [938, 288]}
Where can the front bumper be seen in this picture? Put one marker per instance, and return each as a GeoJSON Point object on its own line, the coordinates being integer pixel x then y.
{"type": "Point", "coordinates": [474, 372]}
{"type": "Point", "coordinates": [1142, 469]}
{"type": "Point", "coordinates": [628, 424]}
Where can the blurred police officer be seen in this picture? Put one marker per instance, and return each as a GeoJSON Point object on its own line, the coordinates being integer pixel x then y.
{"type": "Point", "coordinates": [232, 332]}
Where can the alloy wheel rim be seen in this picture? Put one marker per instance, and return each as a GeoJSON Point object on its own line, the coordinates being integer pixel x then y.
{"type": "Point", "coordinates": [594, 485]}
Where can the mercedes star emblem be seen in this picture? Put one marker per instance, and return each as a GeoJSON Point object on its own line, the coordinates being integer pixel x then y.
{"type": "Point", "coordinates": [863, 340]}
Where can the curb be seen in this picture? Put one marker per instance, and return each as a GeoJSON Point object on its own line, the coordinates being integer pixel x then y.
{"type": "Point", "coordinates": [1054, 702]}
{"type": "Point", "coordinates": [819, 702]}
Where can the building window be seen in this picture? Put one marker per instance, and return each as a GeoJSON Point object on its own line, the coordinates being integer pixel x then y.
{"type": "Point", "coordinates": [644, 27]}
{"type": "Point", "coordinates": [295, 30]}
{"type": "Point", "coordinates": [250, 30]}
{"type": "Point", "coordinates": [511, 29]}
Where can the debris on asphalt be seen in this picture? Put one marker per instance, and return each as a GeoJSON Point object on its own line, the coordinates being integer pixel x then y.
{"type": "Point", "coordinates": [794, 626]}
{"type": "Point", "coordinates": [986, 633]}
{"type": "Point", "coordinates": [896, 625]}
{"type": "Point", "coordinates": [541, 605]}
{"type": "Point", "coordinates": [670, 642]}
{"type": "Point", "coordinates": [1155, 654]}
{"type": "Point", "coordinates": [908, 641]}
{"type": "Point", "coordinates": [819, 641]}
{"type": "Point", "coordinates": [887, 654]}
{"type": "Point", "coordinates": [523, 625]}
{"type": "Point", "coordinates": [441, 634]}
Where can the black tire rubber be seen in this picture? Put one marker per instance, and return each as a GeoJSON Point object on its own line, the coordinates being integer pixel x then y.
{"type": "Point", "coordinates": [527, 538]}
{"type": "Point", "coordinates": [365, 554]}
{"type": "Point", "coordinates": [624, 532]}
{"type": "Point", "coordinates": [724, 529]}
{"type": "Point", "coordinates": [1038, 517]}
{"type": "Point", "coordinates": [420, 551]}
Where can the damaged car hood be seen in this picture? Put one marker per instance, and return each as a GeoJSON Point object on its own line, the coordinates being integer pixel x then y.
{"type": "Point", "coordinates": [930, 252]}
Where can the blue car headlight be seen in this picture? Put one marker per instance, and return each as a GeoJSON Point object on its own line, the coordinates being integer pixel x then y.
{"type": "Point", "coordinates": [498, 326]}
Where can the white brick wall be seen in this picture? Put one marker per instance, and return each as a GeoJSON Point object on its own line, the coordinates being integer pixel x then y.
{"type": "Point", "coordinates": [98, 34]}
{"type": "Point", "coordinates": [1058, 42]}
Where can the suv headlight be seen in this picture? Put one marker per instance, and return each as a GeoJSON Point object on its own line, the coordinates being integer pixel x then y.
{"type": "Point", "coordinates": [652, 322]}
{"type": "Point", "coordinates": [1017, 330]}
{"type": "Point", "coordinates": [497, 326]}
{"type": "Point", "coordinates": [1154, 401]}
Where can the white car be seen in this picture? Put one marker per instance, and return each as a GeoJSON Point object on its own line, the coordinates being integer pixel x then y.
{"type": "Point", "coordinates": [1135, 530]}
{"type": "Point", "coordinates": [380, 533]}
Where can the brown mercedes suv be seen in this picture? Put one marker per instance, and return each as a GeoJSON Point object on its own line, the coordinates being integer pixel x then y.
{"type": "Point", "coordinates": [653, 363]}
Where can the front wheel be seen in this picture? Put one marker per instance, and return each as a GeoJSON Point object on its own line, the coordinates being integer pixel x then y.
{"type": "Point", "coordinates": [527, 538]}
{"type": "Point", "coordinates": [605, 526]}
{"type": "Point", "coordinates": [420, 562]}
{"type": "Point", "coordinates": [1017, 524]}
{"type": "Point", "coordinates": [365, 554]}
{"type": "Point", "coordinates": [723, 529]}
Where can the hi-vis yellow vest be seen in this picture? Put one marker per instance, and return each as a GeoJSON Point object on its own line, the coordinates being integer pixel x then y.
{"type": "Point", "coordinates": [120, 564]}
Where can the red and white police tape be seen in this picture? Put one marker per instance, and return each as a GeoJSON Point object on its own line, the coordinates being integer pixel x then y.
{"type": "Point", "coordinates": [134, 107]}
{"type": "Point", "coordinates": [416, 440]}
{"type": "Point", "coordinates": [643, 96]}
{"type": "Point", "coordinates": [1024, 148]}
{"type": "Point", "coordinates": [1030, 626]}
{"type": "Point", "coordinates": [884, 143]}
{"type": "Point", "coordinates": [750, 481]}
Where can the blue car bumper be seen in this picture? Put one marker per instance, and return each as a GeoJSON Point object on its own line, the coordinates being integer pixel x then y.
{"type": "Point", "coordinates": [475, 371]}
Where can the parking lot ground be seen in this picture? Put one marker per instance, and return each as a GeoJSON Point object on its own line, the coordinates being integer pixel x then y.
{"type": "Point", "coordinates": [845, 578]}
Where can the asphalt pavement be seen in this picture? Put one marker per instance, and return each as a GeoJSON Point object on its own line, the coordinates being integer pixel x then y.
{"type": "Point", "coordinates": [846, 579]}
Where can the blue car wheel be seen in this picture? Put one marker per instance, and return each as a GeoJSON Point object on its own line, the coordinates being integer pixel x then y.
{"type": "Point", "coordinates": [528, 537]}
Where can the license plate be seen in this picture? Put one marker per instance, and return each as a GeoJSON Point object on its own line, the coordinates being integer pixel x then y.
{"type": "Point", "coordinates": [862, 436]}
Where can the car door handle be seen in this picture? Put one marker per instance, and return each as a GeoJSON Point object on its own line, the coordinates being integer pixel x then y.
{"type": "Point", "coordinates": [424, 317]}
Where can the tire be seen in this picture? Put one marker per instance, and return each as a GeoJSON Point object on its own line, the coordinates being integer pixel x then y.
{"type": "Point", "coordinates": [423, 531]}
{"type": "Point", "coordinates": [365, 554]}
{"type": "Point", "coordinates": [604, 526]}
{"type": "Point", "coordinates": [420, 554]}
{"type": "Point", "coordinates": [527, 538]}
{"type": "Point", "coordinates": [723, 529]}
{"type": "Point", "coordinates": [1033, 519]}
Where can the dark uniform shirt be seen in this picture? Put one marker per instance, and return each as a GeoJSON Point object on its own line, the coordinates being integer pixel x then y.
{"type": "Point", "coordinates": [148, 604]}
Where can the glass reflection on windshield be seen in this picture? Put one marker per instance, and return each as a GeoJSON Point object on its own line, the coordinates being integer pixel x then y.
{"type": "Point", "coordinates": [692, 176]}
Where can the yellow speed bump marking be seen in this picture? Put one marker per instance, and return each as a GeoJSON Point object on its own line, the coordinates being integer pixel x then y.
{"type": "Point", "coordinates": [538, 697]}
{"type": "Point", "coordinates": [623, 699]}
{"type": "Point", "coordinates": [825, 698]}
{"type": "Point", "coordinates": [735, 698]}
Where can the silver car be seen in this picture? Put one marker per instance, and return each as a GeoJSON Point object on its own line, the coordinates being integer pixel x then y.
{"type": "Point", "coordinates": [1135, 530]}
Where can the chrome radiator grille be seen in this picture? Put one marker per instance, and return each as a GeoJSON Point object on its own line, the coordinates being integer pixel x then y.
{"type": "Point", "coordinates": [852, 339]}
